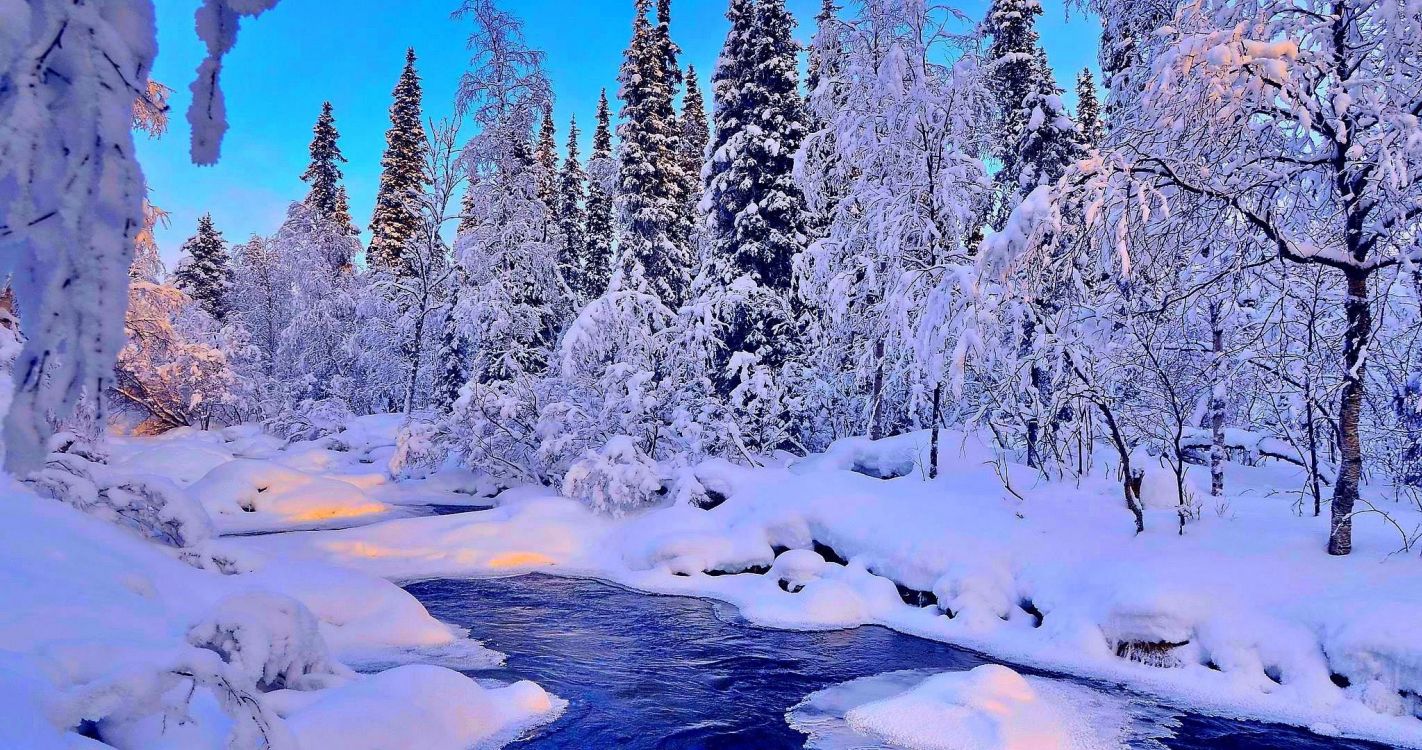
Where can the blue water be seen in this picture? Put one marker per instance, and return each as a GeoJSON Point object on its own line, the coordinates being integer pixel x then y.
{"type": "Point", "coordinates": [647, 672]}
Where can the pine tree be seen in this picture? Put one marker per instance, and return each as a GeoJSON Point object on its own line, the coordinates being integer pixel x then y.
{"type": "Point", "coordinates": [651, 188]}
{"type": "Point", "coordinates": [1013, 55]}
{"type": "Point", "coordinates": [396, 217]}
{"type": "Point", "coordinates": [204, 272]}
{"type": "Point", "coordinates": [757, 212]}
{"type": "Point", "coordinates": [1088, 110]}
{"type": "Point", "coordinates": [323, 174]}
{"type": "Point", "coordinates": [816, 64]}
{"type": "Point", "coordinates": [453, 359]}
{"type": "Point", "coordinates": [1049, 141]}
{"type": "Point", "coordinates": [572, 220]}
{"type": "Point", "coordinates": [595, 263]}
{"type": "Point", "coordinates": [466, 212]}
{"type": "Point", "coordinates": [695, 134]}
{"type": "Point", "coordinates": [546, 154]}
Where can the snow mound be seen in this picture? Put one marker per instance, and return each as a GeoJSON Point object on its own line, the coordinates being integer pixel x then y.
{"type": "Point", "coordinates": [417, 706]}
{"type": "Point", "coordinates": [248, 495]}
{"type": "Point", "coordinates": [988, 708]}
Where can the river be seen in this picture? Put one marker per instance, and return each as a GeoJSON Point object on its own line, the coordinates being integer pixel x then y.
{"type": "Point", "coordinates": [646, 672]}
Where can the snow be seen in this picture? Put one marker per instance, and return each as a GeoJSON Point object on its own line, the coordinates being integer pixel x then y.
{"type": "Point", "coordinates": [1241, 616]}
{"type": "Point", "coordinates": [443, 708]}
{"type": "Point", "coordinates": [105, 628]}
{"type": "Point", "coordinates": [988, 708]}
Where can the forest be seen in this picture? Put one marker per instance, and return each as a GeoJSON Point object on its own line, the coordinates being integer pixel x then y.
{"type": "Point", "coordinates": [892, 251]}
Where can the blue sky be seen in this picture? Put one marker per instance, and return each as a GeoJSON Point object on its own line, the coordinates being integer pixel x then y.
{"type": "Point", "coordinates": [303, 52]}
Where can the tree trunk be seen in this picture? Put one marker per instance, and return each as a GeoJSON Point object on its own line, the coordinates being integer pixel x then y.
{"type": "Point", "coordinates": [414, 350]}
{"type": "Point", "coordinates": [876, 405]}
{"type": "Point", "coordinates": [1217, 404]}
{"type": "Point", "coordinates": [1350, 448]}
{"type": "Point", "coordinates": [933, 442]}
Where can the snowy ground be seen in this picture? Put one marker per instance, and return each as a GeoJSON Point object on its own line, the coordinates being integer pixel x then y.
{"type": "Point", "coordinates": [1243, 616]}
{"type": "Point", "coordinates": [105, 635]}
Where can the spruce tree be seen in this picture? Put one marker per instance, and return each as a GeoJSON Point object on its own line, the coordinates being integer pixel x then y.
{"type": "Point", "coordinates": [695, 134]}
{"type": "Point", "coordinates": [654, 253]}
{"type": "Point", "coordinates": [757, 212]}
{"type": "Point", "coordinates": [572, 220]}
{"type": "Point", "coordinates": [323, 174]}
{"type": "Point", "coordinates": [1013, 55]}
{"type": "Point", "coordinates": [1088, 110]}
{"type": "Point", "coordinates": [1049, 141]}
{"type": "Point", "coordinates": [204, 272]}
{"type": "Point", "coordinates": [816, 65]}
{"type": "Point", "coordinates": [402, 178]}
{"type": "Point", "coordinates": [546, 154]}
{"type": "Point", "coordinates": [595, 264]}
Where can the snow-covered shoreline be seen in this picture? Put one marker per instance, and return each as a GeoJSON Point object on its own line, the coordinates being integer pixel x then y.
{"type": "Point", "coordinates": [1267, 628]}
{"type": "Point", "coordinates": [107, 636]}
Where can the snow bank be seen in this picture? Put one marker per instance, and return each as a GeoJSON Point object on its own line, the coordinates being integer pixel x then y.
{"type": "Point", "coordinates": [247, 495]}
{"type": "Point", "coordinates": [988, 708]}
{"type": "Point", "coordinates": [418, 706]}
{"type": "Point", "coordinates": [106, 631]}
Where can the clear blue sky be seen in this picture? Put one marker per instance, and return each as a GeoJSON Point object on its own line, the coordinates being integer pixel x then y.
{"type": "Point", "coordinates": [303, 52]}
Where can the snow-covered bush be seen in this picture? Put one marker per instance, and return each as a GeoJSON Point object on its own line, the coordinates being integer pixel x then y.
{"type": "Point", "coordinates": [271, 639]}
{"type": "Point", "coordinates": [421, 447]}
{"type": "Point", "coordinates": [154, 507]}
{"type": "Point", "coordinates": [310, 419]}
{"type": "Point", "coordinates": [616, 478]}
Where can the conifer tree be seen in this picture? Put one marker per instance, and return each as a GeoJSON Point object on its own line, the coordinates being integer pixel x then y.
{"type": "Point", "coordinates": [396, 217]}
{"type": "Point", "coordinates": [816, 65]}
{"type": "Point", "coordinates": [327, 196]}
{"type": "Point", "coordinates": [546, 154]}
{"type": "Point", "coordinates": [653, 252]}
{"type": "Point", "coordinates": [1048, 142]}
{"type": "Point", "coordinates": [572, 220]}
{"type": "Point", "coordinates": [596, 256]}
{"type": "Point", "coordinates": [1088, 110]}
{"type": "Point", "coordinates": [757, 212]}
{"type": "Point", "coordinates": [466, 212]}
{"type": "Point", "coordinates": [204, 272]}
{"type": "Point", "coordinates": [695, 134]}
{"type": "Point", "coordinates": [1013, 55]}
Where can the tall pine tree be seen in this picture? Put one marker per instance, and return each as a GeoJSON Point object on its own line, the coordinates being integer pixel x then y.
{"type": "Point", "coordinates": [546, 154]}
{"type": "Point", "coordinates": [757, 212]}
{"type": "Point", "coordinates": [327, 196]}
{"type": "Point", "coordinates": [595, 263]}
{"type": "Point", "coordinates": [1088, 110]}
{"type": "Point", "coordinates": [572, 220]}
{"type": "Point", "coordinates": [653, 253]}
{"type": "Point", "coordinates": [695, 134]}
{"type": "Point", "coordinates": [397, 215]}
{"type": "Point", "coordinates": [204, 273]}
{"type": "Point", "coordinates": [1013, 55]}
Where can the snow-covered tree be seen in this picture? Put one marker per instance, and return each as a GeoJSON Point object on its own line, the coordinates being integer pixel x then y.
{"type": "Point", "coordinates": [653, 251]}
{"type": "Point", "coordinates": [204, 273]}
{"type": "Point", "coordinates": [397, 215]}
{"type": "Point", "coordinates": [595, 260]}
{"type": "Point", "coordinates": [420, 294]}
{"type": "Point", "coordinates": [755, 211]}
{"type": "Point", "coordinates": [1088, 110]}
{"type": "Point", "coordinates": [546, 154]}
{"type": "Point", "coordinates": [695, 134]}
{"type": "Point", "coordinates": [571, 211]}
{"type": "Point", "coordinates": [898, 169]}
{"type": "Point", "coordinates": [75, 201]}
{"type": "Point", "coordinates": [179, 367]}
{"type": "Point", "coordinates": [327, 196]}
